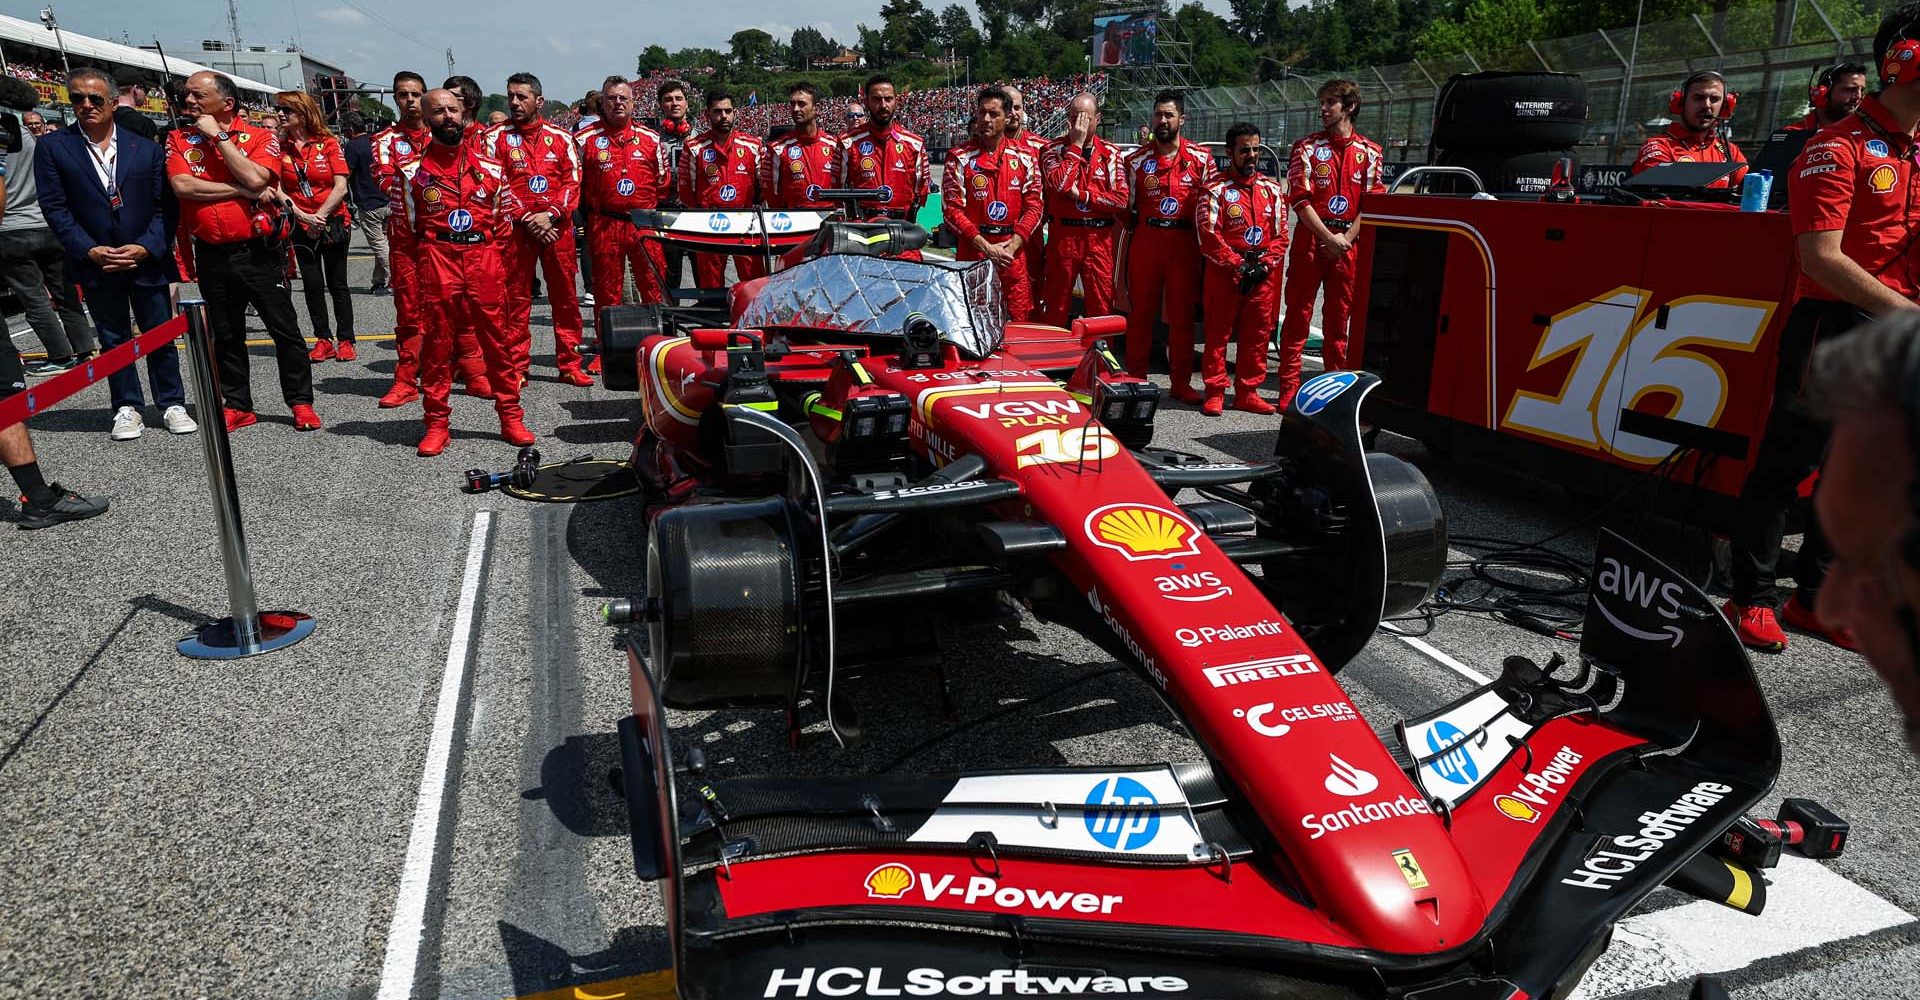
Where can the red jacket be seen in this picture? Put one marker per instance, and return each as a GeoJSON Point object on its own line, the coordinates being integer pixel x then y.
{"type": "Point", "coordinates": [1166, 190]}
{"type": "Point", "coordinates": [894, 161]}
{"type": "Point", "coordinates": [457, 196]}
{"type": "Point", "coordinates": [1237, 215]}
{"type": "Point", "coordinates": [795, 166]}
{"type": "Point", "coordinates": [1083, 188]}
{"type": "Point", "coordinates": [1334, 175]}
{"type": "Point", "coordinates": [542, 164]}
{"type": "Point", "coordinates": [307, 170]}
{"type": "Point", "coordinates": [393, 146]}
{"type": "Point", "coordinates": [1680, 145]}
{"type": "Point", "coordinates": [996, 192]}
{"type": "Point", "coordinates": [622, 169]}
{"type": "Point", "coordinates": [720, 172]}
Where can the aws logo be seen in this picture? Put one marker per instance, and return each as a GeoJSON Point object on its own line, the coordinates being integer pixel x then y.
{"type": "Point", "coordinates": [1190, 588]}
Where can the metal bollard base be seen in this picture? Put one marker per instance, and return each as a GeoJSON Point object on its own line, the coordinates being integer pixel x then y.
{"type": "Point", "coordinates": [216, 640]}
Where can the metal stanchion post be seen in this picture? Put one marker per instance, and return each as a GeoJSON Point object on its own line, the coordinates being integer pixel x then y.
{"type": "Point", "coordinates": [246, 631]}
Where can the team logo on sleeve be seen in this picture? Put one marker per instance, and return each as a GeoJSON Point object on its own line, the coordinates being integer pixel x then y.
{"type": "Point", "coordinates": [537, 184]}
{"type": "Point", "coordinates": [997, 212]}
{"type": "Point", "coordinates": [1337, 204]}
{"type": "Point", "coordinates": [625, 187]}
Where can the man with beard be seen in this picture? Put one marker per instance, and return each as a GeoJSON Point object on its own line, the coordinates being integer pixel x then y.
{"type": "Point", "coordinates": [461, 210]}
{"type": "Point", "coordinates": [1086, 181]}
{"type": "Point", "coordinates": [674, 129]}
{"type": "Point", "coordinates": [800, 163]}
{"type": "Point", "coordinates": [1329, 174]}
{"type": "Point", "coordinates": [1698, 108]}
{"type": "Point", "coordinates": [720, 171]}
{"type": "Point", "coordinates": [1034, 252]}
{"type": "Point", "coordinates": [623, 167]}
{"type": "Point", "coordinates": [991, 199]}
{"type": "Point", "coordinates": [1166, 178]}
{"type": "Point", "coordinates": [393, 148]}
{"type": "Point", "coordinates": [544, 169]}
{"type": "Point", "coordinates": [1835, 94]}
{"type": "Point", "coordinates": [885, 156]}
{"type": "Point", "coordinates": [1243, 236]}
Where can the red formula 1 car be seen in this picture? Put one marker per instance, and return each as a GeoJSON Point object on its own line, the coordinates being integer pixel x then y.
{"type": "Point", "coordinates": [863, 446]}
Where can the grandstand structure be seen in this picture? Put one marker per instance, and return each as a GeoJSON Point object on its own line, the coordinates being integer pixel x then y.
{"type": "Point", "coordinates": [1128, 89]}
{"type": "Point", "coordinates": [31, 52]}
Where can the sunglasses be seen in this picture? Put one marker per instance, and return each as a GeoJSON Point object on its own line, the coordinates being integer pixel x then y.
{"type": "Point", "coordinates": [99, 99]}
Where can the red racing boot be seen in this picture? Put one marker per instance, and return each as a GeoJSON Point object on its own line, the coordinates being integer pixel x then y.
{"type": "Point", "coordinates": [237, 419]}
{"type": "Point", "coordinates": [304, 419]}
{"type": "Point", "coordinates": [574, 376]}
{"type": "Point", "coordinates": [322, 350]}
{"type": "Point", "coordinates": [346, 351]}
{"type": "Point", "coordinates": [1252, 403]}
{"type": "Point", "coordinates": [1797, 615]}
{"type": "Point", "coordinates": [400, 395]}
{"type": "Point", "coordinates": [514, 431]}
{"type": "Point", "coordinates": [1185, 393]}
{"type": "Point", "coordinates": [479, 388]}
{"type": "Point", "coordinates": [433, 442]}
{"type": "Point", "coordinates": [593, 365]}
{"type": "Point", "coordinates": [1756, 627]}
{"type": "Point", "coordinates": [1215, 404]}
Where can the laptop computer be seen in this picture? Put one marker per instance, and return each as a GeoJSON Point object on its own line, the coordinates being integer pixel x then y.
{"type": "Point", "coordinates": [1782, 148]}
{"type": "Point", "coordinates": [1684, 181]}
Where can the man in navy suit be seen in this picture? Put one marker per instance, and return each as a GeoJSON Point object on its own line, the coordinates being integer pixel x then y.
{"type": "Point", "coordinates": [101, 190]}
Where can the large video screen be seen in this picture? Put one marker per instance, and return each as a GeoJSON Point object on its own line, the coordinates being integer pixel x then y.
{"type": "Point", "coordinates": [1124, 39]}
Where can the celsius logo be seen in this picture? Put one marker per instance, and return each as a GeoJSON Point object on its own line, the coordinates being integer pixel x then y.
{"type": "Point", "coordinates": [1125, 831]}
{"type": "Point", "coordinates": [1192, 588]}
{"type": "Point", "coordinates": [1456, 766]}
{"type": "Point", "coordinates": [1257, 720]}
{"type": "Point", "coordinates": [1345, 779]}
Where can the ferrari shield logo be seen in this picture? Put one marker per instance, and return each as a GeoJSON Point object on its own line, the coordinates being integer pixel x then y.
{"type": "Point", "coordinates": [1140, 532]}
{"type": "Point", "coordinates": [1410, 869]}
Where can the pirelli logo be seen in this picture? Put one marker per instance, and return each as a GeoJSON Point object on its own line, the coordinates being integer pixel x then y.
{"type": "Point", "coordinates": [1270, 668]}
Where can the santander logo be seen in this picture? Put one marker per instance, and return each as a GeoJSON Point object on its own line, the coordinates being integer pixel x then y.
{"type": "Point", "coordinates": [1345, 779]}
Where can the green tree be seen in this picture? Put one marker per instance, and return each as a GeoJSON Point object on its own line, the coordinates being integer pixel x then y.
{"type": "Point", "coordinates": [372, 109]}
{"type": "Point", "coordinates": [873, 45]}
{"type": "Point", "coordinates": [653, 58]}
{"type": "Point", "coordinates": [1219, 55]}
{"type": "Point", "coordinates": [957, 31]}
{"type": "Point", "coordinates": [809, 44]}
{"type": "Point", "coordinates": [751, 47]}
{"type": "Point", "coordinates": [1484, 27]}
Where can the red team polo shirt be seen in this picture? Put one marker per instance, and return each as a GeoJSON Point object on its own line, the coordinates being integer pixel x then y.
{"type": "Point", "coordinates": [1858, 176]}
{"type": "Point", "coordinates": [307, 170]}
{"type": "Point", "coordinates": [228, 220]}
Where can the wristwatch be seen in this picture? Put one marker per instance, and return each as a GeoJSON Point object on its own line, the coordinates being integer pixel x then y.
{"type": "Point", "coordinates": [223, 136]}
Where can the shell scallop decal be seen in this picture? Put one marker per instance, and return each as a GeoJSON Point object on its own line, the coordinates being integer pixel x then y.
{"type": "Point", "coordinates": [1139, 531]}
{"type": "Point", "coordinates": [889, 881]}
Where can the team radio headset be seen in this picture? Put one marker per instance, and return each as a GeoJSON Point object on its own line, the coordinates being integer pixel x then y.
{"type": "Point", "coordinates": [1677, 105]}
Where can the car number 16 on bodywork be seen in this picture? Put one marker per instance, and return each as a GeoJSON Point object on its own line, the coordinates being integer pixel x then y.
{"type": "Point", "coordinates": [1623, 353]}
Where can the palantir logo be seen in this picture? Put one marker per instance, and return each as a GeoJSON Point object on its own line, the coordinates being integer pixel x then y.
{"type": "Point", "coordinates": [1456, 766]}
{"type": "Point", "coordinates": [1345, 779]}
{"type": "Point", "coordinates": [1118, 830]}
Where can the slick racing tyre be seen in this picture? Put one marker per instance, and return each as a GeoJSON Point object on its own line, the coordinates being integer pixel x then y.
{"type": "Point", "coordinates": [1510, 111]}
{"type": "Point", "coordinates": [1505, 172]}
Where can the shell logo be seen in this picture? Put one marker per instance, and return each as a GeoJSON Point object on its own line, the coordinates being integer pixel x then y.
{"type": "Point", "coordinates": [889, 881]}
{"type": "Point", "coordinates": [432, 195]}
{"type": "Point", "coordinates": [1141, 532]}
{"type": "Point", "coordinates": [195, 156]}
{"type": "Point", "coordinates": [1513, 808]}
{"type": "Point", "coordinates": [1882, 179]}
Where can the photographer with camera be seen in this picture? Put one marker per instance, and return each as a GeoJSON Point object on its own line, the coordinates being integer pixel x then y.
{"type": "Point", "coordinates": [1243, 237]}
{"type": "Point", "coordinates": [103, 191]}
{"type": "Point", "coordinates": [313, 186]}
{"type": "Point", "coordinates": [223, 171]}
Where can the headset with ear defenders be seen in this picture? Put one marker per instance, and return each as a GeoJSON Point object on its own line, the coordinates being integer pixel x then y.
{"type": "Point", "coordinates": [1898, 66]}
{"type": "Point", "coordinates": [1677, 103]}
{"type": "Point", "coordinates": [1820, 87]}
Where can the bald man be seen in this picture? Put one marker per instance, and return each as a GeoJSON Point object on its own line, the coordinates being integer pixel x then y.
{"type": "Point", "coordinates": [1086, 185]}
{"type": "Point", "coordinates": [460, 211]}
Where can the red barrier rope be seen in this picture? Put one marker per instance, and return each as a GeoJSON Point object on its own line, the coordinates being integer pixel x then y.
{"type": "Point", "coordinates": [44, 395]}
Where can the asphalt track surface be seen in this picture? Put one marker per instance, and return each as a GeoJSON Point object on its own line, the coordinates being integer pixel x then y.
{"type": "Point", "coordinates": [175, 828]}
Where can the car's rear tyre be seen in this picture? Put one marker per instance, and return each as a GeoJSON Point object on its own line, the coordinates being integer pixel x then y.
{"type": "Point", "coordinates": [726, 591]}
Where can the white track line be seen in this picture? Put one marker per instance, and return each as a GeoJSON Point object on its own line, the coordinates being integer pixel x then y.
{"type": "Point", "coordinates": [1441, 658]}
{"type": "Point", "coordinates": [402, 962]}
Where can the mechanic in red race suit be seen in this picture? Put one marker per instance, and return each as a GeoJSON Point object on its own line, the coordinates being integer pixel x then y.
{"type": "Point", "coordinates": [623, 167]}
{"type": "Point", "coordinates": [674, 128]}
{"type": "Point", "coordinates": [885, 156]}
{"type": "Point", "coordinates": [991, 198]}
{"type": "Point", "coordinates": [1035, 250]}
{"type": "Point", "coordinates": [393, 146]}
{"type": "Point", "coordinates": [1243, 237]}
{"type": "Point", "coordinates": [1855, 197]}
{"type": "Point", "coordinates": [1329, 175]}
{"type": "Point", "coordinates": [720, 171]}
{"type": "Point", "coordinates": [802, 162]}
{"type": "Point", "coordinates": [543, 166]}
{"type": "Point", "coordinates": [1833, 95]}
{"type": "Point", "coordinates": [1698, 108]}
{"type": "Point", "coordinates": [460, 212]}
{"type": "Point", "coordinates": [1167, 177]}
{"type": "Point", "coordinates": [1086, 180]}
